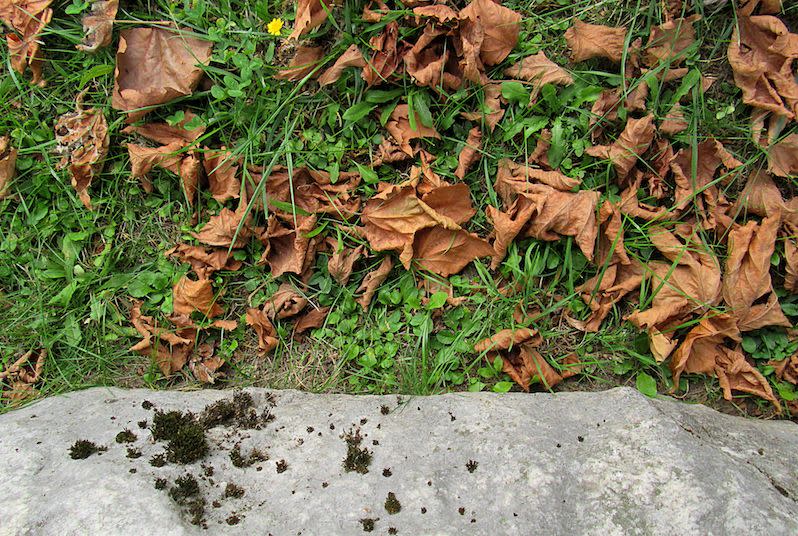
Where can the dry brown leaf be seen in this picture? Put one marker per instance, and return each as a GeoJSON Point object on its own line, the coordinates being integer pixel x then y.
{"type": "Point", "coordinates": [352, 57]}
{"type": "Point", "coordinates": [446, 252]}
{"type": "Point", "coordinates": [98, 25]}
{"type": "Point", "coordinates": [305, 59]}
{"type": "Point", "coordinates": [21, 376]}
{"type": "Point", "coordinates": [385, 59]}
{"type": "Point", "coordinates": [399, 128]}
{"type": "Point", "coordinates": [287, 249]}
{"type": "Point", "coordinates": [470, 153]}
{"type": "Point", "coordinates": [155, 66]}
{"type": "Point", "coordinates": [432, 61]}
{"type": "Point", "coordinates": [311, 192]}
{"type": "Point", "coordinates": [221, 168]}
{"type": "Point", "coordinates": [786, 369]}
{"type": "Point", "coordinates": [372, 282]}
{"type": "Point", "coordinates": [766, 7]}
{"type": "Point", "coordinates": [604, 111]}
{"type": "Point", "coordinates": [603, 291]}
{"type": "Point", "coordinates": [505, 339]}
{"type": "Point", "coordinates": [500, 25]}
{"type": "Point", "coordinates": [189, 296]}
{"type": "Point", "coordinates": [783, 156]}
{"type": "Point", "coordinates": [669, 42]}
{"type": "Point", "coordinates": [342, 261]}
{"type": "Point", "coordinates": [170, 350]}
{"type": "Point", "coordinates": [588, 41]}
{"type": "Point", "coordinates": [267, 334]}
{"type": "Point", "coordinates": [674, 121]}
{"type": "Point", "coordinates": [761, 53]}
{"type": "Point", "coordinates": [520, 360]}
{"type": "Point", "coordinates": [8, 162]}
{"type": "Point", "coordinates": [704, 351]}
{"type": "Point", "coordinates": [83, 139]}
{"type": "Point", "coordinates": [223, 230]}
{"type": "Point", "coordinates": [451, 201]}
{"type": "Point", "coordinates": [393, 216]}
{"type": "Point", "coordinates": [746, 279]}
{"type": "Point", "coordinates": [284, 303]}
{"type": "Point", "coordinates": [311, 320]}
{"type": "Point", "coordinates": [27, 20]}
{"type": "Point", "coordinates": [375, 15]}
{"type": "Point", "coordinates": [611, 248]}
{"type": "Point", "coordinates": [492, 100]}
{"type": "Point", "coordinates": [539, 70]}
{"type": "Point", "coordinates": [624, 152]}
{"type": "Point", "coordinates": [204, 261]}
{"type": "Point", "coordinates": [440, 12]}
{"type": "Point", "coordinates": [205, 363]}
{"type": "Point", "coordinates": [309, 15]}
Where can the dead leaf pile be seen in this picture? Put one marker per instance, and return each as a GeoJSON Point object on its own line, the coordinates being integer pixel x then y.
{"type": "Point", "coordinates": [26, 19]}
{"type": "Point", "coordinates": [18, 380]}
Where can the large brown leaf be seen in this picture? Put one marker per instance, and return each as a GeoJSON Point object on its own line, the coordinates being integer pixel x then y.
{"type": "Point", "coordinates": [399, 128]}
{"type": "Point", "coordinates": [98, 25]}
{"type": "Point", "coordinates": [500, 25]}
{"type": "Point", "coordinates": [588, 41]}
{"type": "Point", "coordinates": [492, 102]}
{"type": "Point", "coordinates": [204, 261]}
{"type": "Point", "coordinates": [520, 360]}
{"type": "Point", "coordinates": [304, 60]}
{"type": "Point", "coordinates": [446, 252]}
{"type": "Point", "coordinates": [432, 61]}
{"type": "Point", "coordinates": [287, 248]}
{"type": "Point", "coordinates": [169, 349]}
{"type": "Point", "coordinates": [470, 153]}
{"type": "Point", "coordinates": [747, 276]}
{"type": "Point", "coordinates": [385, 59]}
{"type": "Point", "coordinates": [155, 66]}
{"type": "Point", "coordinates": [624, 152]}
{"type": "Point", "coordinates": [451, 201]}
{"type": "Point", "coordinates": [309, 15]}
{"type": "Point", "coordinates": [267, 334]}
{"type": "Point", "coordinates": [285, 303]}
{"type": "Point", "coordinates": [373, 280]}
{"type": "Point", "coordinates": [189, 296]}
{"type": "Point", "coordinates": [221, 168]}
{"type": "Point", "coordinates": [8, 161]}
{"type": "Point", "coordinates": [82, 138]}
{"type": "Point", "coordinates": [342, 261]}
{"type": "Point", "coordinates": [225, 229]}
{"type": "Point", "coordinates": [604, 290]}
{"type": "Point", "coordinates": [704, 351]}
{"type": "Point", "coordinates": [783, 156]}
{"type": "Point", "coordinates": [669, 42]}
{"type": "Point", "coordinates": [352, 57]}
{"type": "Point", "coordinates": [761, 53]}
{"type": "Point", "coordinates": [27, 20]}
{"type": "Point", "coordinates": [539, 70]}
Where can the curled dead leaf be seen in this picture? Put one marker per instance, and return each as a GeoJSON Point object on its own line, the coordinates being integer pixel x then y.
{"type": "Point", "coordinates": [352, 57]}
{"type": "Point", "coordinates": [284, 303]}
{"type": "Point", "coordinates": [98, 25]}
{"type": "Point", "coordinates": [539, 70]}
{"type": "Point", "coordinates": [309, 15]}
{"type": "Point", "coordinates": [669, 42]}
{"type": "Point", "coordinates": [311, 320]}
{"type": "Point", "coordinates": [83, 139]}
{"type": "Point", "coordinates": [373, 280]}
{"type": "Point", "coordinates": [27, 19]}
{"type": "Point", "coordinates": [624, 152]}
{"type": "Point", "coordinates": [189, 296]}
{"type": "Point", "coordinates": [204, 261]}
{"type": "Point", "coordinates": [342, 261]}
{"type": "Point", "coordinates": [155, 66]}
{"type": "Point", "coordinates": [18, 380]}
{"type": "Point", "coordinates": [8, 161]}
{"type": "Point", "coordinates": [267, 334]}
{"type": "Point", "coordinates": [303, 62]}
{"type": "Point", "coordinates": [169, 349]}
{"type": "Point", "coordinates": [500, 28]}
{"type": "Point", "coordinates": [588, 41]}
{"type": "Point", "coordinates": [221, 168]}
{"type": "Point", "coordinates": [288, 248]}
{"type": "Point", "coordinates": [446, 252]}
{"type": "Point", "coordinates": [470, 153]}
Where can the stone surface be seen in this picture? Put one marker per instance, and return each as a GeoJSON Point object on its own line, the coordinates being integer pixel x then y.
{"type": "Point", "coordinates": [570, 463]}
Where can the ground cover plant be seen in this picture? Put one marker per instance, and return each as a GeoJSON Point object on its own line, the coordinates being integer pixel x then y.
{"type": "Point", "coordinates": [401, 197]}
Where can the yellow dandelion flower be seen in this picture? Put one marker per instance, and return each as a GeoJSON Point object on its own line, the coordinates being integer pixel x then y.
{"type": "Point", "coordinates": [275, 26]}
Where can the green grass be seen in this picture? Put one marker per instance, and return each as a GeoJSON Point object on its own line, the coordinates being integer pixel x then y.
{"type": "Point", "coordinates": [67, 275]}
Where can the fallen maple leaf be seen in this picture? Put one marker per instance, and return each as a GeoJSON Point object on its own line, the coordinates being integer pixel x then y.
{"type": "Point", "coordinates": [624, 153]}
{"type": "Point", "coordinates": [267, 334]}
{"type": "Point", "coordinates": [27, 20]}
{"type": "Point", "coordinates": [221, 168]}
{"type": "Point", "coordinates": [342, 261]}
{"type": "Point", "coordinates": [446, 252]}
{"type": "Point", "coordinates": [398, 126]}
{"type": "Point", "coordinates": [786, 369]}
{"type": "Point", "coordinates": [539, 70]}
{"type": "Point", "coordinates": [98, 25]}
{"type": "Point", "coordinates": [226, 229]}
{"type": "Point", "coordinates": [588, 41]}
{"type": "Point", "coordinates": [674, 121]}
{"type": "Point", "coordinates": [287, 249]}
{"type": "Point", "coordinates": [669, 42]}
{"type": "Point", "coordinates": [470, 153]}
{"type": "Point", "coordinates": [8, 160]}
{"type": "Point", "coordinates": [431, 60]}
{"type": "Point", "coordinates": [385, 58]}
{"type": "Point", "coordinates": [604, 290]}
{"type": "Point", "coordinates": [303, 62]}
{"type": "Point", "coordinates": [372, 282]}
{"type": "Point", "coordinates": [761, 53]}
{"type": "Point", "coordinates": [311, 320]}
{"type": "Point", "coordinates": [746, 279]}
{"type": "Point", "coordinates": [284, 303]}
{"type": "Point", "coordinates": [83, 139]}
{"type": "Point", "coordinates": [309, 15]}
{"type": "Point", "coordinates": [155, 66]}
{"type": "Point", "coordinates": [189, 296]}
{"type": "Point", "coordinates": [352, 57]}
{"type": "Point", "coordinates": [203, 261]}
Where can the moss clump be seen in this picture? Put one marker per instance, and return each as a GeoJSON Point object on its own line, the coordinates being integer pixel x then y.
{"type": "Point", "coordinates": [166, 425]}
{"type": "Point", "coordinates": [160, 483]}
{"type": "Point", "coordinates": [231, 490]}
{"type": "Point", "coordinates": [392, 504]}
{"type": "Point", "coordinates": [240, 460]}
{"type": "Point", "coordinates": [233, 520]}
{"type": "Point", "coordinates": [472, 465]}
{"type": "Point", "coordinates": [368, 524]}
{"type": "Point", "coordinates": [125, 436]}
{"type": "Point", "coordinates": [133, 453]}
{"type": "Point", "coordinates": [185, 487]}
{"type": "Point", "coordinates": [188, 445]}
{"type": "Point", "coordinates": [239, 410]}
{"type": "Point", "coordinates": [357, 459]}
{"type": "Point", "coordinates": [282, 466]}
{"type": "Point", "coordinates": [159, 460]}
{"type": "Point", "coordinates": [83, 448]}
